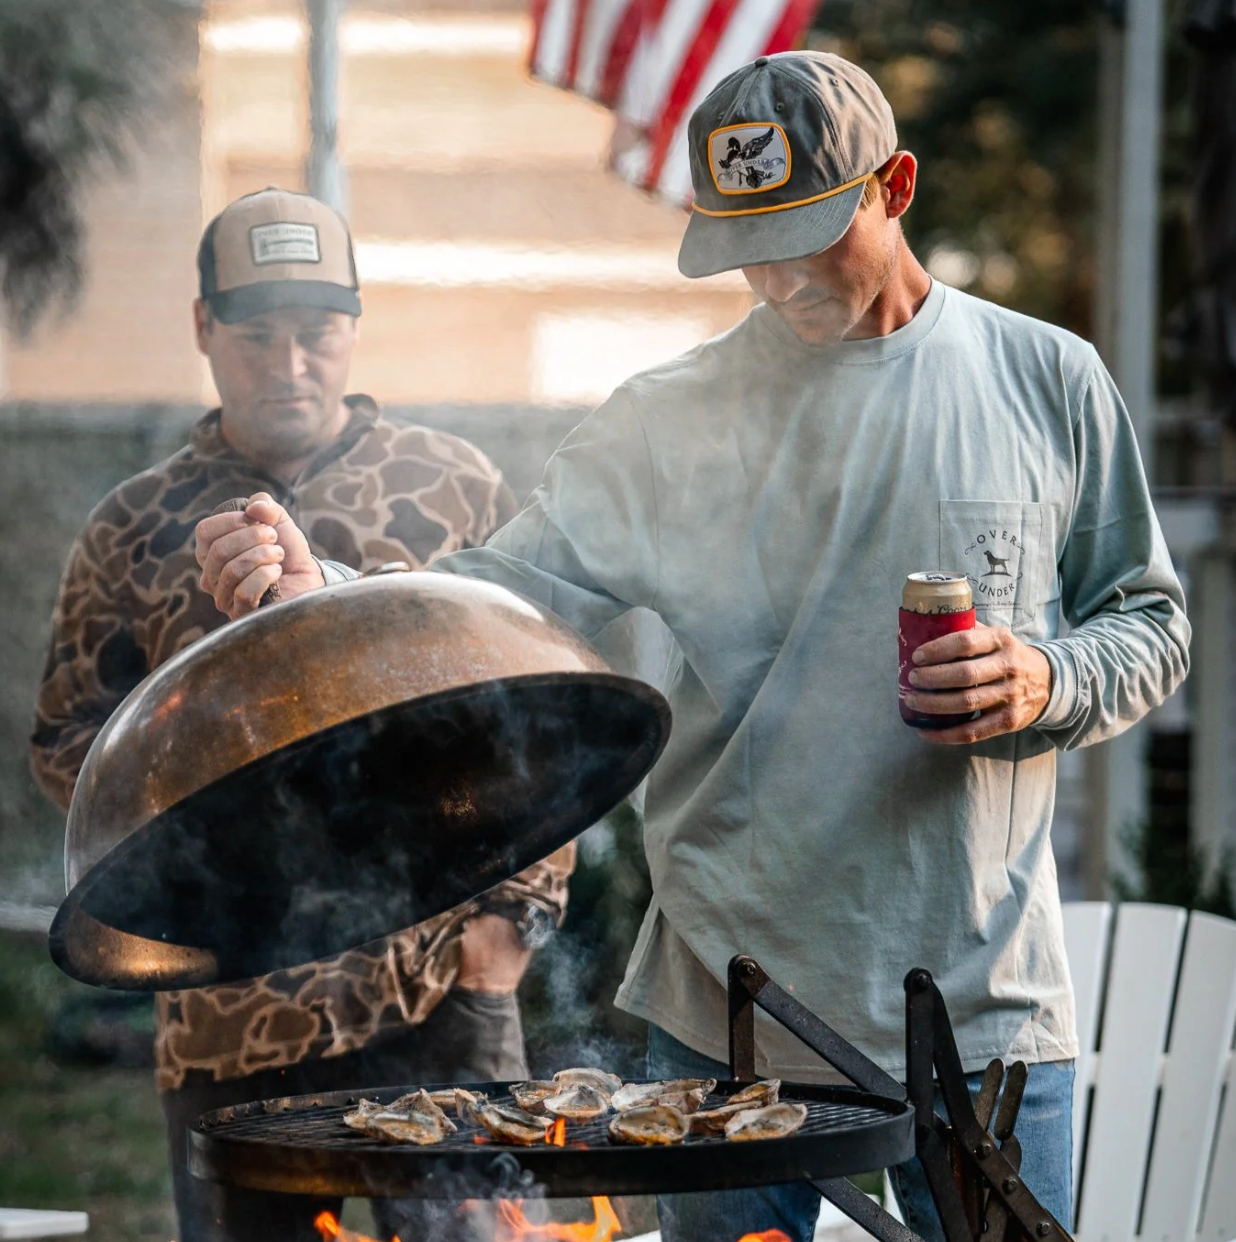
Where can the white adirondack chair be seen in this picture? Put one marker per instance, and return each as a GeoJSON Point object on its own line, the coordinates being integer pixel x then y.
{"type": "Point", "coordinates": [1155, 1103]}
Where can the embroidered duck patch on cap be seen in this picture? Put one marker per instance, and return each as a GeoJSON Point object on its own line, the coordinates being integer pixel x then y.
{"type": "Point", "coordinates": [746, 159]}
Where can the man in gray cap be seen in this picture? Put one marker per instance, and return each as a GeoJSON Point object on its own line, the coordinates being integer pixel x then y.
{"type": "Point", "coordinates": [766, 495]}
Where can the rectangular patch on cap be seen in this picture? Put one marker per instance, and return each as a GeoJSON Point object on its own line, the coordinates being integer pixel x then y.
{"type": "Point", "coordinates": [749, 158]}
{"type": "Point", "coordinates": [283, 242]}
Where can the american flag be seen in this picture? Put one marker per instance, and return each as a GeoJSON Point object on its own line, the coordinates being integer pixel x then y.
{"type": "Point", "coordinates": [652, 62]}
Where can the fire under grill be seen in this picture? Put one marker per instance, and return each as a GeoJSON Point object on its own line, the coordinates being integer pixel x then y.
{"type": "Point", "coordinates": [299, 1145]}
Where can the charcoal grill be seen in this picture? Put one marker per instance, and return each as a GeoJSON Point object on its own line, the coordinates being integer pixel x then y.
{"type": "Point", "coordinates": [299, 1144]}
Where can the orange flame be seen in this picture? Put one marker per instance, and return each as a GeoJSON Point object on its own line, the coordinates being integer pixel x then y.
{"type": "Point", "coordinates": [602, 1228]}
{"type": "Point", "coordinates": [332, 1231]}
{"type": "Point", "coordinates": [555, 1136]}
{"type": "Point", "coordinates": [769, 1235]}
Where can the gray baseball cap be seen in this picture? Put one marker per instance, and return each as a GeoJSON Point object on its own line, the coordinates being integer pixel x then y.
{"type": "Point", "coordinates": [779, 152]}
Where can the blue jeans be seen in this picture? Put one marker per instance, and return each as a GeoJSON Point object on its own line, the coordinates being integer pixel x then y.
{"type": "Point", "coordinates": [1044, 1129]}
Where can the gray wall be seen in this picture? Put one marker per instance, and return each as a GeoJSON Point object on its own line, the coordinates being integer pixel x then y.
{"type": "Point", "coordinates": [56, 462]}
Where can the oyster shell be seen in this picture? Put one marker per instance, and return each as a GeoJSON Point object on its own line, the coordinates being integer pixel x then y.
{"type": "Point", "coordinates": [654, 1125]}
{"type": "Point", "coordinates": [685, 1094]}
{"type": "Point", "coordinates": [358, 1118]}
{"type": "Point", "coordinates": [531, 1096]}
{"type": "Point", "coordinates": [513, 1125]}
{"type": "Point", "coordinates": [468, 1103]}
{"type": "Point", "coordinates": [758, 1095]}
{"type": "Point", "coordinates": [775, 1121]}
{"type": "Point", "coordinates": [413, 1118]}
{"type": "Point", "coordinates": [578, 1103]}
{"type": "Point", "coordinates": [603, 1081]}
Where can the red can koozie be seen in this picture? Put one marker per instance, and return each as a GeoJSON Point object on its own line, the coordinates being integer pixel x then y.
{"type": "Point", "coordinates": [933, 604]}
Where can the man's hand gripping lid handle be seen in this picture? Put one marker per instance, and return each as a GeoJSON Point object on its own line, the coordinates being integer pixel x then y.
{"type": "Point", "coordinates": [246, 547]}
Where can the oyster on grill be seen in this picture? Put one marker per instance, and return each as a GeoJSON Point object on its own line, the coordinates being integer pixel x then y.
{"type": "Point", "coordinates": [602, 1081]}
{"type": "Point", "coordinates": [654, 1125]}
{"type": "Point", "coordinates": [774, 1121]}
{"type": "Point", "coordinates": [413, 1118]}
{"type": "Point", "coordinates": [358, 1118]}
{"type": "Point", "coordinates": [468, 1103]}
{"type": "Point", "coordinates": [513, 1125]}
{"type": "Point", "coordinates": [758, 1095]}
{"type": "Point", "coordinates": [531, 1096]}
{"type": "Point", "coordinates": [579, 1103]}
{"type": "Point", "coordinates": [685, 1094]}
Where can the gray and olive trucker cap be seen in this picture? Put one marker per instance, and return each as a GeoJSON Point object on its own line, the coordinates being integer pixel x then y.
{"type": "Point", "coordinates": [274, 249]}
{"type": "Point", "coordinates": [779, 153]}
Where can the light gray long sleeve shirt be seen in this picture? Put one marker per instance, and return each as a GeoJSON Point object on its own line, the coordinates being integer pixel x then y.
{"type": "Point", "coordinates": [767, 499]}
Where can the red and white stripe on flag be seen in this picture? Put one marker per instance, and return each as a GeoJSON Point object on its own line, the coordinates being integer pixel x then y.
{"type": "Point", "coordinates": [653, 62]}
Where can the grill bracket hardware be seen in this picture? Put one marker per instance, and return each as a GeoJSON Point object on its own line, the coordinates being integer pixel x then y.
{"type": "Point", "coordinates": [973, 1172]}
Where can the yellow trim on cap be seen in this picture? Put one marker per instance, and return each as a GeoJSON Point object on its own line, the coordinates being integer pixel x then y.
{"type": "Point", "coordinates": [759, 189]}
{"type": "Point", "coordinates": [802, 202]}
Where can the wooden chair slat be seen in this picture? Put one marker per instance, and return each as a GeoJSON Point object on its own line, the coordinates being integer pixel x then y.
{"type": "Point", "coordinates": [1197, 1056]}
{"type": "Point", "coordinates": [1087, 937]}
{"type": "Point", "coordinates": [1141, 982]}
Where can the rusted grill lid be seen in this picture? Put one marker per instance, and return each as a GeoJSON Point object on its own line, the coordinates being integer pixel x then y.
{"type": "Point", "coordinates": [334, 769]}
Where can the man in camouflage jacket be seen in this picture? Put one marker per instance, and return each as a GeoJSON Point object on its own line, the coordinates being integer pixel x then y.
{"type": "Point", "coordinates": [436, 1002]}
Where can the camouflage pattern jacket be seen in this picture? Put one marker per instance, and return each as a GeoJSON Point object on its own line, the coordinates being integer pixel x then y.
{"type": "Point", "coordinates": [130, 600]}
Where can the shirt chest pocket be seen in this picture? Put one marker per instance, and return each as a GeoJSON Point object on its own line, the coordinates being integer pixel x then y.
{"type": "Point", "coordinates": [1000, 545]}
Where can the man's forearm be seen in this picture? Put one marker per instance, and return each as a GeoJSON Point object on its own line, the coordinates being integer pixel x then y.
{"type": "Point", "coordinates": [1113, 669]}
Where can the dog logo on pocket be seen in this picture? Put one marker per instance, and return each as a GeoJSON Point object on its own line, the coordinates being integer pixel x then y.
{"type": "Point", "coordinates": [994, 565]}
{"type": "Point", "coordinates": [999, 564]}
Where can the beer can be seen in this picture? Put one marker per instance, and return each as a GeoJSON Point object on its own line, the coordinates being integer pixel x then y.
{"type": "Point", "coordinates": [933, 603]}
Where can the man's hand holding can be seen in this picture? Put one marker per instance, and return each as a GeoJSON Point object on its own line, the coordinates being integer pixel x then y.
{"type": "Point", "coordinates": [976, 681]}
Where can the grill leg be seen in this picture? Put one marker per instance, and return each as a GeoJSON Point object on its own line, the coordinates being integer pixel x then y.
{"type": "Point", "coordinates": [864, 1211]}
{"type": "Point", "coordinates": [985, 1173]}
{"type": "Point", "coordinates": [969, 1175]}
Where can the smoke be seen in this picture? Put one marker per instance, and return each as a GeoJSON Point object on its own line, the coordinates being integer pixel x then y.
{"type": "Point", "coordinates": [78, 82]}
{"type": "Point", "coordinates": [567, 995]}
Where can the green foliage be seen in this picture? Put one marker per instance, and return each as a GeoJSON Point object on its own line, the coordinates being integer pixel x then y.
{"type": "Point", "coordinates": [85, 1139]}
{"type": "Point", "coordinates": [1167, 870]}
{"type": "Point", "coordinates": [999, 102]}
{"type": "Point", "coordinates": [78, 79]}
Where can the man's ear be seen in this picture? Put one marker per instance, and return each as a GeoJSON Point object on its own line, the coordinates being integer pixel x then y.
{"type": "Point", "coordinates": [898, 175]}
{"type": "Point", "coordinates": [203, 321]}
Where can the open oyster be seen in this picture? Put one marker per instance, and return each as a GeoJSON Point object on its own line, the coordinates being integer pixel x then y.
{"type": "Point", "coordinates": [758, 1095]}
{"type": "Point", "coordinates": [578, 1103]}
{"type": "Point", "coordinates": [600, 1079]}
{"type": "Point", "coordinates": [685, 1094]}
{"type": "Point", "coordinates": [469, 1103]}
{"type": "Point", "coordinates": [358, 1118]}
{"type": "Point", "coordinates": [413, 1118]}
{"type": "Point", "coordinates": [513, 1125]}
{"type": "Point", "coordinates": [654, 1125]}
{"type": "Point", "coordinates": [775, 1121]}
{"type": "Point", "coordinates": [531, 1096]}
